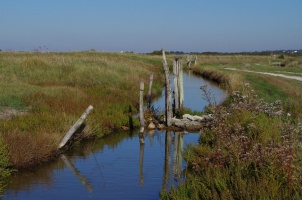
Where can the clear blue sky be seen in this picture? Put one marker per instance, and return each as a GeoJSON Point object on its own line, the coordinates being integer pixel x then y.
{"type": "Point", "coordinates": [144, 26]}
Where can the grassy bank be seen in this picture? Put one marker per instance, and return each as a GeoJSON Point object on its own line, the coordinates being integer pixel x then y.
{"type": "Point", "coordinates": [267, 87]}
{"type": "Point", "coordinates": [253, 150]}
{"type": "Point", "coordinates": [48, 92]}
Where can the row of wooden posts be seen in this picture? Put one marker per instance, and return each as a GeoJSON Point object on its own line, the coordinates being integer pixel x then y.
{"type": "Point", "coordinates": [178, 98]}
{"type": "Point", "coordinates": [178, 91]}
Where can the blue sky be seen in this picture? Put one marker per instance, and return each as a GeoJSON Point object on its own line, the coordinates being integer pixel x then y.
{"type": "Point", "coordinates": [144, 26]}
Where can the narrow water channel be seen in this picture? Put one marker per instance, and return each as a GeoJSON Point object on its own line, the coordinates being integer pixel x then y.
{"type": "Point", "coordinates": [119, 166]}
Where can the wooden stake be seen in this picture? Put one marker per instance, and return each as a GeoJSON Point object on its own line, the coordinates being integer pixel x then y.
{"type": "Point", "coordinates": [150, 91]}
{"type": "Point", "coordinates": [176, 84]}
{"type": "Point", "coordinates": [141, 107]}
{"type": "Point", "coordinates": [75, 127]}
{"type": "Point", "coordinates": [168, 101]}
{"type": "Point", "coordinates": [181, 86]}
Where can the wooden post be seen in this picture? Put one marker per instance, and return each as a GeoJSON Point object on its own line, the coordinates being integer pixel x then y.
{"type": "Point", "coordinates": [168, 101]}
{"type": "Point", "coordinates": [189, 61]}
{"type": "Point", "coordinates": [150, 91]}
{"type": "Point", "coordinates": [181, 86]}
{"type": "Point", "coordinates": [195, 60]}
{"type": "Point", "coordinates": [141, 107]}
{"type": "Point", "coordinates": [176, 84]}
{"type": "Point", "coordinates": [73, 129]}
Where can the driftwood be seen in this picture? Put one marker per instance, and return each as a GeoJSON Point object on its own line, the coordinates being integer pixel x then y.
{"type": "Point", "coordinates": [190, 122]}
{"type": "Point", "coordinates": [75, 127]}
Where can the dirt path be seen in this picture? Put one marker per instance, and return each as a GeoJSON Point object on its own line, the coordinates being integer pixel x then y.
{"type": "Point", "coordinates": [267, 73]}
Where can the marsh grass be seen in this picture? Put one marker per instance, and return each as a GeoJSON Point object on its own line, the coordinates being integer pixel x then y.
{"type": "Point", "coordinates": [267, 87]}
{"type": "Point", "coordinates": [56, 88]}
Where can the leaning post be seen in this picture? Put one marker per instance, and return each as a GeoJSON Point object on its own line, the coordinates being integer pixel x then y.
{"type": "Point", "coordinates": [75, 127]}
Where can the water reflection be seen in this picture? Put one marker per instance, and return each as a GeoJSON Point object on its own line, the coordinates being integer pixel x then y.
{"type": "Point", "coordinates": [168, 145]}
{"type": "Point", "coordinates": [125, 165]}
{"type": "Point", "coordinates": [177, 157]}
{"type": "Point", "coordinates": [118, 167]}
{"type": "Point", "coordinates": [141, 157]}
{"type": "Point", "coordinates": [77, 173]}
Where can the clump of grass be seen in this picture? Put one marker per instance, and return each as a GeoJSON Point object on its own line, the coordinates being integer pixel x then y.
{"type": "Point", "coordinates": [251, 152]}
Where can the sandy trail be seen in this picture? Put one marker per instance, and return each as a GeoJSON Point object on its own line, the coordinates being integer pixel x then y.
{"type": "Point", "coordinates": [267, 73]}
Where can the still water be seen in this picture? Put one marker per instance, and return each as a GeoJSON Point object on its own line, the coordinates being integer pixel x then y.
{"type": "Point", "coordinates": [124, 165]}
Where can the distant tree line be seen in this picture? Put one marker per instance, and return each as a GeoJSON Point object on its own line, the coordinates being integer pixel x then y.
{"type": "Point", "coordinates": [283, 52]}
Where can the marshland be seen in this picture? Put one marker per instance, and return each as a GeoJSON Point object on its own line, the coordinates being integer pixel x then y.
{"type": "Point", "coordinates": [252, 150]}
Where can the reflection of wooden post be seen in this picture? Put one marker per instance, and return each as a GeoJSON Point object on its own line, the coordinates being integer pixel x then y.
{"type": "Point", "coordinates": [141, 107]}
{"type": "Point", "coordinates": [168, 145]}
{"type": "Point", "coordinates": [150, 91]}
{"type": "Point", "coordinates": [168, 101]}
{"type": "Point", "coordinates": [76, 172]}
{"type": "Point", "coordinates": [75, 127]}
{"type": "Point", "coordinates": [177, 158]}
{"type": "Point", "coordinates": [141, 158]}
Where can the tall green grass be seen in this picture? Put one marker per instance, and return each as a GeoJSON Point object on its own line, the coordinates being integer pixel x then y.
{"type": "Point", "coordinates": [54, 89]}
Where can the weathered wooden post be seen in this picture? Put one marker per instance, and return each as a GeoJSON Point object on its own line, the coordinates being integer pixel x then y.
{"type": "Point", "coordinates": [181, 85]}
{"type": "Point", "coordinates": [195, 60]}
{"type": "Point", "coordinates": [75, 127]}
{"type": "Point", "coordinates": [168, 99]}
{"type": "Point", "coordinates": [141, 132]}
{"type": "Point", "coordinates": [141, 107]}
{"type": "Point", "coordinates": [189, 61]}
{"type": "Point", "coordinates": [150, 91]}
{"type": "Point", "coordinates": [177, 86]}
